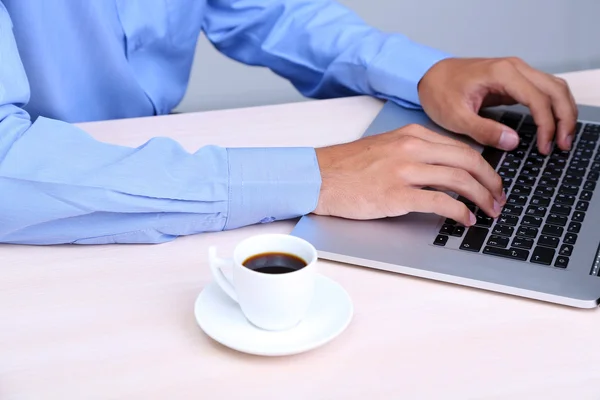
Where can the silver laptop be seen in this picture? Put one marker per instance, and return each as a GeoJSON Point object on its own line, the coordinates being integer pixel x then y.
{"type": "Point", "coordinates": [544, 246]}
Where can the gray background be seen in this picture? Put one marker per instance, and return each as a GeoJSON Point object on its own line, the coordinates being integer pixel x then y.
{"type": "Point", "coordinates": [554, 35]}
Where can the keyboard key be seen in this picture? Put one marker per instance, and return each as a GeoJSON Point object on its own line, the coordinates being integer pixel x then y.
{"type": "Point", "coordinates": [582, 205]}
{"type": "Point", "coordinates": [558, 153]}
{"type": "Point", "coordinates": [527, 231]}
{"type": "Point", "coordinates": [566, 250]}
{"type": "Point", "coordinates": [583, 153]}
{"type": "Point", "coordinates": [503, 230]}
{"type": "Point", "coordinates": [450, 221]}
{"type": "Point", "coordinates": [566, 189]}
{"type": "Point", "coordinates": [512, 210]}
{"type": "Point", "coordinates": [532, 171]}
{"type": "Point", "coordinates": [561, 262]}
{"type": "Point", "coordinates": [517, 200]}
{"type": "Point", "coordinates": [560, 209]}
{"type": "Point", "coordinates": [528, 181]}
{"type": "Point", "coordinates": [506, 182]}
{"type": "Point", "coordinates": [577, 171]}
{"type": "Point", "coordinates": [517, 153]}
{"type": "Point", "coordinates": [553, 230]}
{"type": "Point", "coordinates": [497, 241]}
{"type": "Point", "coordinates": [545, 191]}
{"type": "Point", "coordinates": [542, 255]}
{"type": "Point", "coordinates": [446, 229]}
{"type": "Point", "coordinates": [557, 163]}
{"type": "Point", "coordinates": [515, 254]}
{"type": "Point", "coordinates": [593, 176]}
{"type": "Point", "coordinates": [505, 219]}
{"type": "Point", "coordinates": [548, 241]}
{"type": "Point", "coordinates": [522, 242]}
{"type": "Point", "coordinates": [574, 227]}
{"type": "Point", "coordinates": [492, 156]}
{"type": "Point", "coordinates": [540, 201]}
{"type": "Point", "coordinates": [589, 185]}
{"type": "Point", "coordinates": [474, 238]}
{"type": "Point", "coordinates": [595, 167]}
{"type": "Point", "coordinates": [570, 238]}
{"type": "Point", "coordinates": [521, 190]}
{"type": "Point", "coordinates": [483, 220]}
{"type": "Point", "coordinates": [565, 199]}
{"type": "Point", "coordinates": [536, 211]}
{"type": "Point", "coordinates": [533, 162]}
{"type": "Point", "coordinates": [511, 163]}
{"type": "Point", "coordinates": [507, 172]}
{"type": "Point", "coordinates": [579, 163]}
{"type": "Point", "coordinates": [556, 219]}
{"type": "Point", "coordinates": [554, 172]}
{"type": "Point", "coordinates": [586, 195]}
{"type": "Point", "coordinates": [534, 222]}
{"type": "Point", "coordinates": [458, 231]}
{"type": "Point", "coordinates": [572, 180]}
{"type": "Point", "coordinates": [441, 240]}
{"type": "Point", "coordinates": [578, 216]}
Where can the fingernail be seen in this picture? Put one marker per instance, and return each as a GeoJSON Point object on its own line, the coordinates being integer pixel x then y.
{"type": "Point", "coordinates": [569, 141]}
{"type": "Point", "coordinates": [508, 140]}
{"type": "Point", "coordinates": [497, 207]}
{"type": "Point", "coordinates": [472, 218]}
{"type": "Point", "coordinates": [548, 147]}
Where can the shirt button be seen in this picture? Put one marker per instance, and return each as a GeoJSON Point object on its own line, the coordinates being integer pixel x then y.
{"type": "Point", "coordinates": [266, 220]}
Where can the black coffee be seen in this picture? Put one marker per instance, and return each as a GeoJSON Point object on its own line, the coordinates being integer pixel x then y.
{"type": "Point", "coordinates": [274, 263]}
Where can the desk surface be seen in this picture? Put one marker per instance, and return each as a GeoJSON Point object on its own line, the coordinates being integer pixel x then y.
{"type": "Point", "coordinates": [116, 321]}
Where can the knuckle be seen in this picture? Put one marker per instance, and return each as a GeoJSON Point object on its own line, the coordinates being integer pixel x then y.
{"type": "Point", "coordinates": [472, 157]}
{"type": "Point", "coordinates": [439, 200]}
{"type": "Point", "coordinates": [460, 176]}
{"type": "Point", "coordinates": [515, 60]}
{"type": "Point", "coordinates": [561, 82]}
{"type": "Point", "coordinates": [501, 66]}
{"type": "Point", "coordinates": [409, 143]}
{"type": "Point", "coordinates": [406, 171]}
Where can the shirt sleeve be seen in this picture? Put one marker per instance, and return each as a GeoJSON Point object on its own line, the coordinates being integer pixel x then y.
{"type": "Point", "coordinates": [59, 185]}
{"type": "Point", "coordinates": [323, 48]}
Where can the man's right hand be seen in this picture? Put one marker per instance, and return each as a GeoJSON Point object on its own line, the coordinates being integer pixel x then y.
{"type": "Point", "coordinates": [384, 176]}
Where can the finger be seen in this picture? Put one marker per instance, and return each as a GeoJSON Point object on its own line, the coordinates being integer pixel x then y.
{"type": "Point", "coordinates": [525, 92]}
{"type": "Point", "coordinates": [455, 180]}
{"type": "Point", "coordinates": [487, 131]}
{"type": "Point", "coordinates": [421, 132]}
{"type": "Point", "coordinates": [563, 104]}
{"type": "Point", "coordinates": [468, 160]}
{"type": "Point", "coordinates": [429, 201]}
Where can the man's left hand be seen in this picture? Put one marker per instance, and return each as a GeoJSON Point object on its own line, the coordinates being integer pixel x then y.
{"type": "Point", "coordinates": [454, 90]}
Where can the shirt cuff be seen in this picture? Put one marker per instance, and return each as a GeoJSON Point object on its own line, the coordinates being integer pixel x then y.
{"type": "Point", "coordinates": [269, 184]}
{"type": "Point", "coordinates": [398, 68]}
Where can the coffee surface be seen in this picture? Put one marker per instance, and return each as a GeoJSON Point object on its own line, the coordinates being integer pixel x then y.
{"type": "Point", "coordinates": [274, 263]}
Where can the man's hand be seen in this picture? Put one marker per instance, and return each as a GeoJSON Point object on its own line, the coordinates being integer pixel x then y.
{"type": "Point", "coordinates": [383, 176]}
{"type": "Point", "coordinates": [453, 91]}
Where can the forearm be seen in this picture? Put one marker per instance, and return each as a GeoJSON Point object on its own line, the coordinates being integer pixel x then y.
{"type": "Point", "coordinates": [323, 48]}
{"type": "Point", "coordinates": [59, 185]}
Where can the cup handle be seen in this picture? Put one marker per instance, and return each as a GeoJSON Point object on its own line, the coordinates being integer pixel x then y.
{"type": "Point", "coordinates": [216, 265]}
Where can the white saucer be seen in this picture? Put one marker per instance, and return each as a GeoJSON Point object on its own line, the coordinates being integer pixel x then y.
{"type": "Point", "coordinates": [222, 319]}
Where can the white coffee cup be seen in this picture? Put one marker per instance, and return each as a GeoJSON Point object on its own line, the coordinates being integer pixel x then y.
{"type": "Point", "coordinates": [269, 301]}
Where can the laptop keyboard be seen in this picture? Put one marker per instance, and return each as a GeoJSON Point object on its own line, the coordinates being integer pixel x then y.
{"type": "Point", "coordinates": [548, 197]}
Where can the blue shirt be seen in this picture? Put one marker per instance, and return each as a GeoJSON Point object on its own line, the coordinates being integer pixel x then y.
{"type": "Point", "coordinates": [65, 61]}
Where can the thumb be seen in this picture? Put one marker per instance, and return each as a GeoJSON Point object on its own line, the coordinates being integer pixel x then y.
{"type": "Point", "coordinates": [489, 132]}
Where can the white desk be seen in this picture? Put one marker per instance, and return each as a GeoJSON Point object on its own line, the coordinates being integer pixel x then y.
{"type": "Point", "coordinates": [116, 322]}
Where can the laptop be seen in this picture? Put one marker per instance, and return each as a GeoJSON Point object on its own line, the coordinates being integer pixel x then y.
{"type": "Point", "coordinates": [544, 246]}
